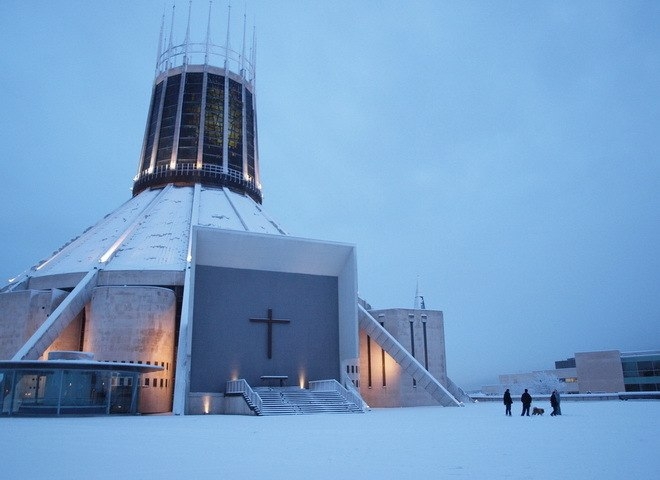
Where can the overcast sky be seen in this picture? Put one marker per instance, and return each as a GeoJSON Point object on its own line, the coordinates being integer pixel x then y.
{"type": "Point", "coordinates": [505, 153]}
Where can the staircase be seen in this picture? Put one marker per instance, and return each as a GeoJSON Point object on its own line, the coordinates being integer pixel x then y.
{"type": "Point", "coordinates": [299, 401]}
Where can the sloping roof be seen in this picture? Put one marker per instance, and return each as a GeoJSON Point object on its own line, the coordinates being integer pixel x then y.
{"type": "Point", "coordinates": [151, 231]}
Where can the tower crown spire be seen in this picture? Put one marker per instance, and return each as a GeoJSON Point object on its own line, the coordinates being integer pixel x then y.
{"type": "Point", "coordinates": [201, 126]}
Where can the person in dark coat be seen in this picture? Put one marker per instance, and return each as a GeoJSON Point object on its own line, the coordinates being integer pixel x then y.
{"type": "Point", "coordinates": [558, 398]}
{"type": "Point", "coordinates": [507, 402]}
{"type": "Point", "coordinates": [526, 400]}
{"type": "Point", "coordinates": [553, 403]}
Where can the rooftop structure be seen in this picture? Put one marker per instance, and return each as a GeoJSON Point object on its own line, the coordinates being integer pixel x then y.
{"type": "Point", "coordinates": [202, 125]}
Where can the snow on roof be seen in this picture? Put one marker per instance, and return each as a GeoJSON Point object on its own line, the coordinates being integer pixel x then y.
{"type": "Point", "coordinates": [83, 253]}
{"type": "Point", "coordinates": [151, 231]}
{"type": "Point", "coordinates": [160, 239]}
{"type": "Point", "coordinates": [216, 211]}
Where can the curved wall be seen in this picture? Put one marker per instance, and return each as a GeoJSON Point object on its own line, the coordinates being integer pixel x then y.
{"type": "Point", "coordinates": [136, 324]}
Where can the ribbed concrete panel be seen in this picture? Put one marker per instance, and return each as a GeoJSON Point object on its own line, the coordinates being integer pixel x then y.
{"type": "Point", "coordinates": [253, 216]}
{"type": "Point", "coordinates": [84, 252]}
{"type": "Point", "coordinates": [215, 210]}
{"type": "Point", "coordinates": [160, 241]}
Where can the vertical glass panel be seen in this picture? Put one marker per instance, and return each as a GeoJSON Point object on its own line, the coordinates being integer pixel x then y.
{"type": "Point", "coordinates": [121, 393]}
{"type": "Point", "coordinates": [36, 392]}
{"type": "Point", "coordinates": [190, 112]}
{"type": "Point", "coordinates": [235, 138]}
{"type": "Point", "coordinates": [167, 124]}
{"type": "Point", "coordinates": [249, 132]}
{"type": "Point", "coordinates": [645, 369]}
{"type": "Point", "coordinates": [214, 120]}
{"type": "Point", "coordinates": [151, 129]}
{"type": "Point", "coordinates": [84, 391]}
{"type": "Point", "coordinates": [6, 380]}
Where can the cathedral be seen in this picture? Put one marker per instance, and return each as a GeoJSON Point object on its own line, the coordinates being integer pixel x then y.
{"type": "Point", "coordinates": [190, 299]}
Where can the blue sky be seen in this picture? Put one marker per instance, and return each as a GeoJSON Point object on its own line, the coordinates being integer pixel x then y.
{"type": "Point", "coordinates": [505, 153]}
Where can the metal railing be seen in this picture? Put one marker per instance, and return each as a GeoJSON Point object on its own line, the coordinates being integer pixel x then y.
{"type": "Point", "coordinates": [333, 385]}
{"type": "Point", "coordinates": [206, 53]}
{"type": "Point", "coordinates": [242, 387]}
{"type": "Point", "coordinates": [214, 173]}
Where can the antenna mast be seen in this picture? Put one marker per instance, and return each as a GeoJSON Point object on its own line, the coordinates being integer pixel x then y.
{"type": "Point", "coordinates": [170, 43]}
{"type": "Point", "coordinates": [419, 299]}
{"type": "Point", "coordinates": [187, 41]}
{"type": "Point", "coordinates": [160, 40]}
{"type": "Point", "coordinates": [242, 66]}
{"type": "Point", "coordinates": [227, 42]}
{"type": "Point", "coordinates": [208, 36]}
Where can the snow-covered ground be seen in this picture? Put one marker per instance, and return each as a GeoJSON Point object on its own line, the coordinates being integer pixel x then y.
{"type": "Point", "coordinates": [599, 440]}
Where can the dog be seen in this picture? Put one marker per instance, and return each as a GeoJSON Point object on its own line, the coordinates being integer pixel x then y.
{"type": "Point", "coordinates": [537, 411]}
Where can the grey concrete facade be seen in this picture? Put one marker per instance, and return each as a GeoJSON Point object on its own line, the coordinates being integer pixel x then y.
{"type": "Point", "coordinates": [236, 279]}
{"type": "Point", "coordinates": [600, 371]}
{"type": "Point", "coordinates": [228, 343]}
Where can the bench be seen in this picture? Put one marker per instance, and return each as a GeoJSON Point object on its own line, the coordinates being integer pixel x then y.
{"type": "Point", "coordinates": [281, 378]}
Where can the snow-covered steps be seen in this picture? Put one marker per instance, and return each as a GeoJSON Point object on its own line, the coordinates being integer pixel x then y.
{"type": "Point", "coordinates": [299, 401]}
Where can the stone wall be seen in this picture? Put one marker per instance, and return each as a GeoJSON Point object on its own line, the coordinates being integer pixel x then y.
{"type": "Point", "coordinates": [136, 325]}
{"type": "Point", "coordinates": [420, 332]}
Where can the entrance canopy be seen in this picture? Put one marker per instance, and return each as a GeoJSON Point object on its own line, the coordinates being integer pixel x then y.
{"type": "Point", "coordinates": [275, 253]}
{"type": "Point", "coordinates": [77, 387]}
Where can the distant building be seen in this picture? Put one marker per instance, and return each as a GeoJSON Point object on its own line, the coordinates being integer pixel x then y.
{"type": "Point", "coordinates": [641, 371]}
{"type": "Point", "coordinates": [589, 372]}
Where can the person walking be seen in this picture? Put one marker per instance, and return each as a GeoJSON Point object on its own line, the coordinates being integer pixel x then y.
{"type": "Point", "coordinates": [507, 402]}
{"type": "Point", "coordinates": [526, 400]}
{"type": "Point", "coordinates": [553, 403]}
{"type": "Point", "coordinates": [558, 398]}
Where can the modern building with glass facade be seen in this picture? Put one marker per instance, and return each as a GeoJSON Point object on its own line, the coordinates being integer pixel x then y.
{"type": "Point", "coordinates": [201, 128]}
{"type": "Point", "coordinates": [70, 383]}
{"type": "Point", "coordinates": [641, 371]}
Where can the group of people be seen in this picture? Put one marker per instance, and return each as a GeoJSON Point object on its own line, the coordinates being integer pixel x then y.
{"type": "Point", "coordinates": [526, 400]}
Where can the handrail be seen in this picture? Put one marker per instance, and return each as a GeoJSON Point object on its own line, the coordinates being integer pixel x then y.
{"type": "Point", "coordinates": [212, 172]}
{"type": "Point", "coordinates": [333, 385]}
{"type": "Point", "coordinates": [242, 387]}
{"type": "Point", "coordinates": [348, 384]}
{"type": "Point", "coordinates": [189, 53]}
{"type": "Point", "coordinates": [192, 167]}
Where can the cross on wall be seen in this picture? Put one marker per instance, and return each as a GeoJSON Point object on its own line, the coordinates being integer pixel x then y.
{"type": "Point", "coordinates": [269, 321]}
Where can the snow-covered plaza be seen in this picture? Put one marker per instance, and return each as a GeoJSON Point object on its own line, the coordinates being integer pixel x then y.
{"type": "Point", "coordinates": [597, 439]}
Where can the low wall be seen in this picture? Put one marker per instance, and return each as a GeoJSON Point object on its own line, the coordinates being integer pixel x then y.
{"type": "Point", "coordinates": [213, 403]}
{"type": "Point", "coordinates": [574, 397]}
